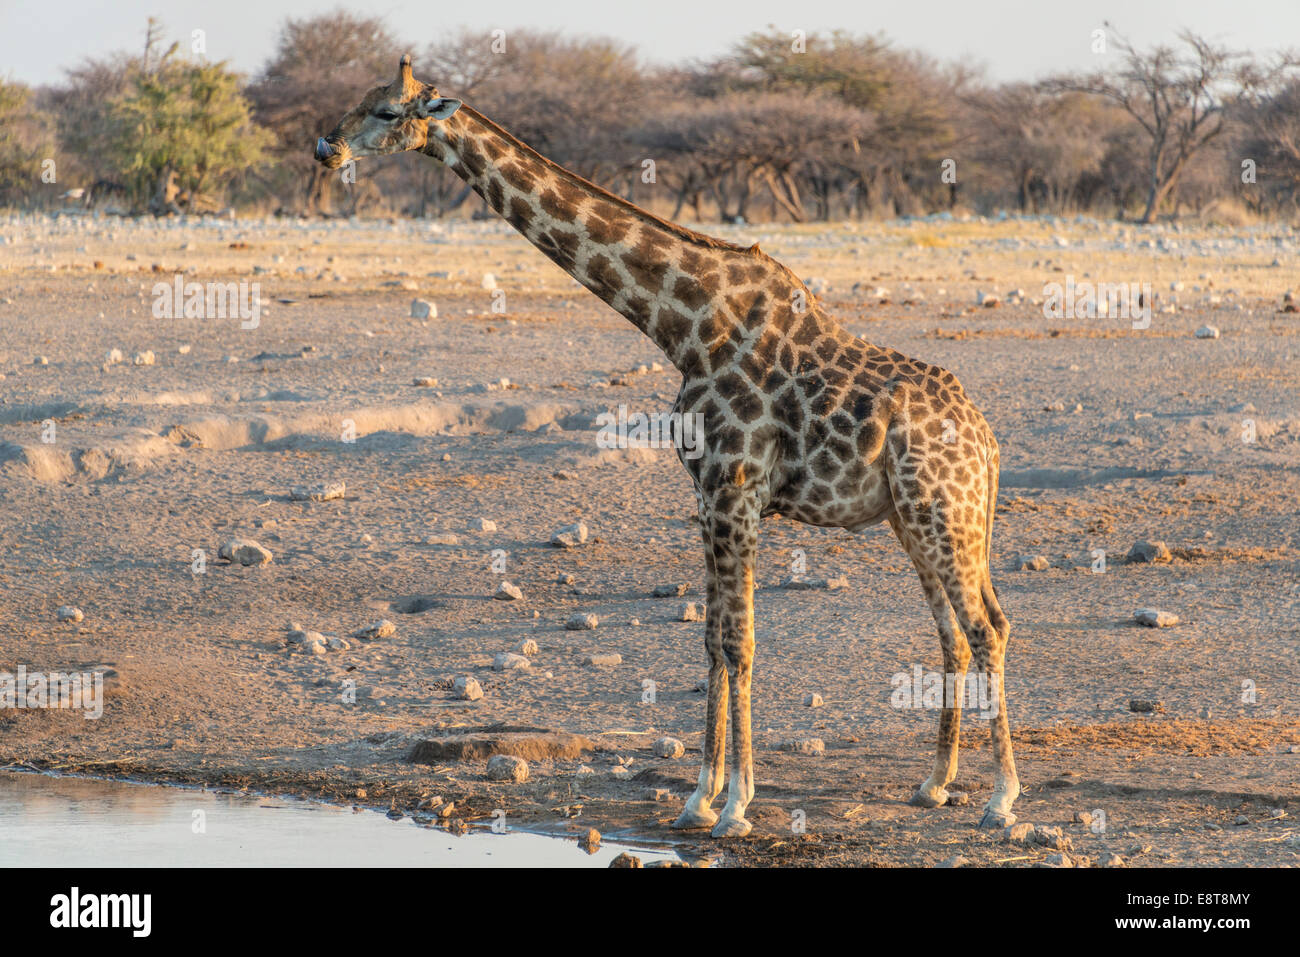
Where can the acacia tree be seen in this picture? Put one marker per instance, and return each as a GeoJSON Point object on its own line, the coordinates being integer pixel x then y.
{"type": "Point", "coordinates": [1178, 96]}
{"type": "Point", "coordinates": [183, 122]}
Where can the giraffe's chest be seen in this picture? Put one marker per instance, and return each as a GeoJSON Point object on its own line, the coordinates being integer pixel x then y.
{"type": "Point", "coordinates": [812, 449]}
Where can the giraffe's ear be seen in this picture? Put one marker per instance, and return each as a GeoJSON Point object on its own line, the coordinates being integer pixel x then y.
{"type": "Point", "coordinates": [441, 107]}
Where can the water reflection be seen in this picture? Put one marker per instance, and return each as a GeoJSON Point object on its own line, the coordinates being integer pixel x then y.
{"type": "Point", "coordinates": [78, 822]}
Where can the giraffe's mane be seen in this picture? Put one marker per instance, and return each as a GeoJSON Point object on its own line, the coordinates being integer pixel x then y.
{"type": "Point", "coordinates": [681, 232]}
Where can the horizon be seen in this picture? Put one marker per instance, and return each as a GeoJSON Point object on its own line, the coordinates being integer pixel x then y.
{"type": "Point", "coordinates": [1007, 40]}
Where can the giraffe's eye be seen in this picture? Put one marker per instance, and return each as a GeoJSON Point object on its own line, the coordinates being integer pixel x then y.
{"type": "Point", "coordinates": [386, 115]}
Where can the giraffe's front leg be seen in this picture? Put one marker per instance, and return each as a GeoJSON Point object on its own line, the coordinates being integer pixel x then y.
{"type": "Point", "coordinates": [698, 811]}
{"type": "Point", "coordinates": [733, 532]}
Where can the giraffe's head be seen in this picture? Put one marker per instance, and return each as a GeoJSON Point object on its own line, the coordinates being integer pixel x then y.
{"type": "Point", "coordinates": [389, 119]}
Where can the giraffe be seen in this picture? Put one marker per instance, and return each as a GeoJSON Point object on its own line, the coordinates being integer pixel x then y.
{"type": "Point", "coordinates": [802, 419]}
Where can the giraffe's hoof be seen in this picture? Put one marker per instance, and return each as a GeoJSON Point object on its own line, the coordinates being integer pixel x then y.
{"type": "Point", "coordinates": [732, 827]}
{"type": "Point", "coordinates": [933, 798]}
{"type": "Point", "coordinates": [692, 819]}
{"type": "Point", "coordinates": [996, 819]}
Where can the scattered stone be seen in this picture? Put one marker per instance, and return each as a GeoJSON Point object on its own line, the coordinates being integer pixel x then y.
{"type": "Point", "coordinates": [423, 309]}
{"type": "Point", "coordinates": [1207, 332]}
{"type": "Point", "coordinates": [670, 591]}
{"type": "Point", "coordinates": [319, 492]}
{"type": "Point", "coordinates": [836, 584]}
{"type": "Point", "coordinates": [1111, 859]}
{"type": "Point", "coordinates": [659, 795]}
{"type": "Point", "coordinates": [306, 642]}
{"type": "Point", "coordinates": [570, 536]}
{"type": "Point", "coordinates": [1150, 553]}
{"type": "Point", "coordinates": [958, 799]}
{"type": "Point", "coordinates": [41, 361]}
{"type": "Point", "coordinates": [1241, 820]}
{"type": "Point", "coordinates": [583, 771]}
{"type": "Point", "coordinates": [426, 382]}
{"type": "Point", "coordinates": [702, 686]}
{"type": "Point", "coordinates": [955, 861]}
{"type": "Point", "coordinates": [507, 592]}
{"type": "Point", "coordinates": [626, 860]}
{"type": "Point", "coordinates": [508, 767]}
{"type": "Point", "coordinates": [813, 700]}
{"type": "Point", "coordinates": [1083, 817]}
{"type": "Point", "coordinates": [691, 611]}
{"type": "Point", "coordinates": [669, 748]}
{"type": "Point", "coordinates": [1155, 618]}
{"type": "Point", "coordinates": [1022, 833]}
{"type": "Point", "coordinates": [145, 358]}
{"type": "Point", "coordinates": [113, 356]}
{"type": "Point", "coordinates": [375, 630]}
{"type": "Point", "coordinates": [337, 644]}
{"type": "Point", "coordinates": [810, 746]}
{"type": "Point", "coordinates": [581, 621]}
{"type": "Point", "coordinates": [987, 299]}
{"type": "Point", "coordinates": [1059, 860]}
{"type": "Point", "coordinates": [606, 661]}
{"type": "Point", "coordinates": [482, 525]}
{"type": "Point", "coordinates": [1031, 563]}
{"type": "Point", "coordinates": [1143, 706]}
{"type": "Point", "coordinates": [489, 282]}
{"type": "Point", "coordinates": [591, 840]}
{"type": "Point", "coordinates": [467, 688]}
{"type": "Point", "coordinates": [245, 551]}
{"type": "Point", "coordinates": [526, 646]}
{"type": "Point", "coordinates": [68, 613]}
{"type": "Point", "coordinates": [509, 661]}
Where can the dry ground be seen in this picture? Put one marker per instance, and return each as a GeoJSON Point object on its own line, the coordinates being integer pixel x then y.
{"type": "Point", "coordinates": [151, 462]}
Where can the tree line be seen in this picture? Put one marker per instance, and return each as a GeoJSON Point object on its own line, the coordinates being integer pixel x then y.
{"type": "Point", "coordinates": [782, 126]}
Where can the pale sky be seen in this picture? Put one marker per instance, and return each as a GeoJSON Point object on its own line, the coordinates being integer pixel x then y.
{"type": "Point", "coordinates": [1014, 39]}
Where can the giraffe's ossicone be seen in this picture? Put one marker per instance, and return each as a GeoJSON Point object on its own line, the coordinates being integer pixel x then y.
{"type": "Point", "coordinates": [800, 418]}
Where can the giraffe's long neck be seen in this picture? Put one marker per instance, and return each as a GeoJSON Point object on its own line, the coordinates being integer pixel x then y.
{"type": "Point", "coordinates": [689, 293]}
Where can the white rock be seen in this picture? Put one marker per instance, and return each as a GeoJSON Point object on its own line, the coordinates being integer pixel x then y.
{"type": "Point", "coordinates": [507, 592]}
{"type": "Point", "coordinates": [509, 661]}
{"type": "Point", "coordinates": [113, 356]}
{"type": "Point", "coordinates": [376, 630]}
{"type": "Point", "coordinates": [319, 492]}
{"type": "Point", "coordinates": [489, 282]}
{"type": "Point", "coordinates": [467, 688]}
{"type": "Point", "coordinates": [570, 536]}
{"type": "Point", "coordinates": [1207, 332]}
{"type": "Point", "coordinates": [145, 358]}
{"type": "Point", "coordinates": [582, 621]}
{"type": "Point", "coordinates": [482, 525]}
{"type": "Point", "coordinates": [245, 551]}
{"type": "Point", "coordinates": [1155, 618]}
{"type": "Point", "coordinates": [813, 700]}
{"type": "Point", "coordinates": [691, 611]}
{"type": "Point", "coordinates": [507, 767]}
{"type": "Point", "coordinates": [68, 613]}
{"type": "Point", "coordinates": [669, 748]}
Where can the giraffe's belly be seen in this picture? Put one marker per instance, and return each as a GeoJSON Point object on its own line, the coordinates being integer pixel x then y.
{"type": "Point", "coordinates": [854, 505]}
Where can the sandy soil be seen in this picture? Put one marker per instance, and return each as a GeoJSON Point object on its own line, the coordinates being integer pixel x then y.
{"type": "Point", "coordinates": [151, 462]}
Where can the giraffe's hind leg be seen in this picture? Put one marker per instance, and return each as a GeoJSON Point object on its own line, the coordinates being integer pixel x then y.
{"type": "Point", "coordinates": [946, 539]}
{"type": "Point", "coordinates": [956, 657]}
